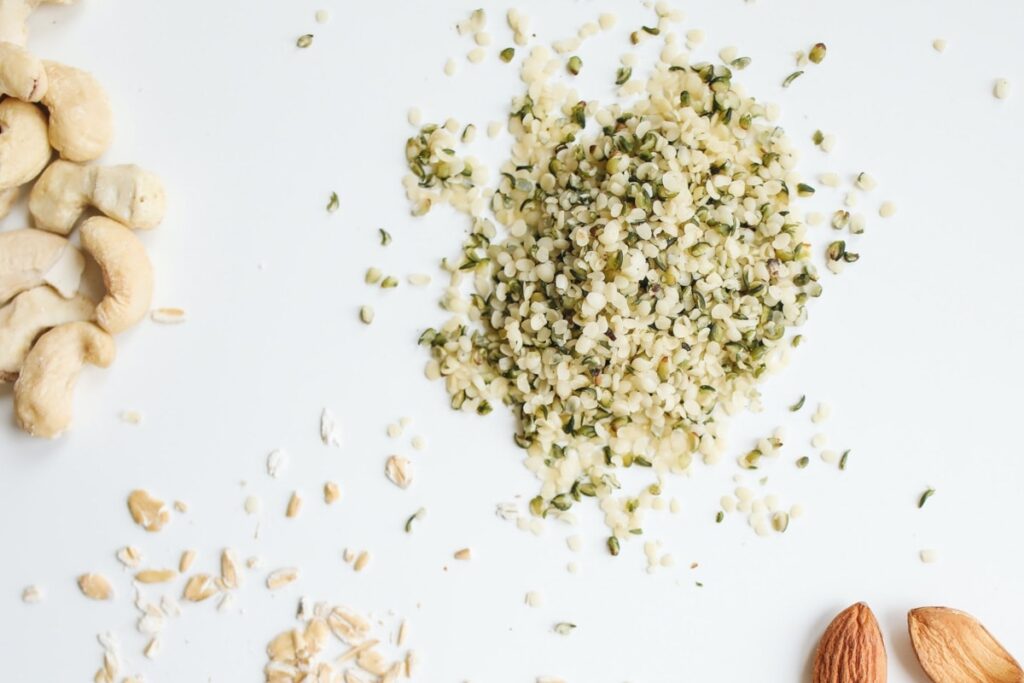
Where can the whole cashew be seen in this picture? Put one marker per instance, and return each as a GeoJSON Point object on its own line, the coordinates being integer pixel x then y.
{"type": "Point", "coordinates": [44, 392]}
{"type": "Point", "coordinates": [127, 273]}
{"type": "Point", "coordinates": [29, 258]}
{"type": "Point", "coordinates": [126, 193]}
{"type": "Point", "coordinates": [24, 148]}
{"type": "Point", "coordinates": [30, 314]}
{"type": "Point", "coordinates": [81, 123]}
{"type": "Point", "coordinates": [22, 74]}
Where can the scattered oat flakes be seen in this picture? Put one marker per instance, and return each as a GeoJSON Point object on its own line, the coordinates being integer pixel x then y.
{"type": "Point", "coordinates": [152, 648]}
{"type": "Point", "coordinates": [329, 429]}
{"type": "Point", "coordinates": [148, 512]}
{"type": "Point", "coordinates": [95, 587]}
{"type": "Point", "coordinates": [32, 595]}
{"type": "Point", "coordinates": [331, 492]}
{"type": "Point", "coordinates": [200, 587]}
{"type": "Point", "coordinates": [463, 554]}
{"type": "Point", "coordinates": [253, 505]}
{"type": "Point", "coordinates": [187, 558]}
{"type": "Point", "coordinates": [111, 668]}
{"type": "Point", "coordinates": [155, 575]}
{"type": "Point", "coordinates": [361, 561]}
{"type": "Point", "coordinates": [294, 505]}
{"type": "Point", "coordinates": [403, 631]}
{"type": "Point", "coordinates": [130, 556]}
{"type": "Point", "coordinates": [277, 462]}
{"type": "Point", "coordinates": [399, 471]}
{"type": "Point", "coordinates": [168, 316]}
{"type": "Point", "coordinates": [282, 577]}
{"type": "Point", "coordinates": [254, 562]}
{"type": "Point", "coordinates": [229, 569]}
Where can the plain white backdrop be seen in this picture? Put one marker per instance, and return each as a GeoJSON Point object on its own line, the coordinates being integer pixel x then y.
{"type": "Point", "coordinates": [916, 347]}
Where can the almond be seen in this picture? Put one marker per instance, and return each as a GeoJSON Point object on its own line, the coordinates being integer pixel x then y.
{"type": "Point", "coordinates": [953, 647]}
{"type": "Point", "coordinates": [851, 650]}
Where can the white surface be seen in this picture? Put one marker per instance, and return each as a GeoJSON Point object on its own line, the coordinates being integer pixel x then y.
{"type": "Point", "coordinates": [915, 347]}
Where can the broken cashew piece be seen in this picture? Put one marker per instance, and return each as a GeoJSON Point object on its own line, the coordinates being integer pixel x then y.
{"type": "Point", "coordinates": [14, 17]}
{"type": "Point", "coordinates": [81, 122]}
{"type": "Point", "coordinates": [44, 392]}
{"type": "Point", "coordinates": [30, 314]}
{"type": "Point", "coordinates": [126, 193]}
{"type": "Point", "coordinates": [127, 273]}
{"type": "Point", "coordinates": [29, 258]}
{"type": "Point", "coordinates": [22, 74]}
{"type": "Point", "coordinates": [24, 148]}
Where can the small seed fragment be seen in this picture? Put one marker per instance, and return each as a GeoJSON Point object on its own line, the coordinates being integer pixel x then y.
{"type": "Point", "coordinates": [304, 40]}
{"type": "Point", "coordinates": [791, 77]}
{"type": "Point", "coordinates": [1001, 89]}
{"type": "Point", "coordinates": [229, 575]}
{"type": "Point", "coordinates": [130, 556]}
{"type": "Point", "coordinates": [32, 594]}
{"type": "Point", "coordinates": [817, 53]}
{"type": "Point", "coordinates": [463, 554]}
{"type": "Point", "coordinates": [564, 628]}
{"type": "Point", "coordinates": [574, 65]}
{"type": "Point", "coordinates": [929, 492]}
{"type": "Point", "coordinates": [333, 203]}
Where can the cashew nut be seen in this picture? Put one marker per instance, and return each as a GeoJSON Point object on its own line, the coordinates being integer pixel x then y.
{"type": "Point", "coordinates": [29, 258]}
{"type": "Point", "coordinates": [127, 273]}
{"type": "Point", "coordinates": [24, 149]}
{"type": "Point", "coordinates": [21, 73]}
{"type": "Point", "coordinates": [44, 392]}
{"type": "Point", "coordinates": [126, 193]}
{"type": "Point", "coordinates": [30, 314]}
{"type": "Point", "coordinates": [14, 15]}
{"type": "Point", "coordinates": [81, 123]}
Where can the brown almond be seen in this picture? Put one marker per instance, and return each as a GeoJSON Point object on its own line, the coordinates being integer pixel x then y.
{"type": "Point", "coordinates": [851, 650]}
{"type": "Point", "coordinates": [953, 647]}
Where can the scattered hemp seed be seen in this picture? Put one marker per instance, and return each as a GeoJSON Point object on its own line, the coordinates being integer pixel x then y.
{"type": "Point", "coordinates": [464, 554]}
{"type": "Point", "coordinates": [803, 462]}
{"type": "Point", "coordinates": [322, 16]}
{"type": "Point", "coordinates": [836, 250]}
{"type": "Point", "coordinates": [929, 492]}
{"type": "Point", "coordinates": [623, 74]}
{"type": "Point", "coordinates": [1001, 89]}
{"type": "Point", "coordinates": [333, 203]}
{"type": "Point", "coordinates": [797, 340]}
{"type": "Point", "coordinates": [865, 182]}
{"type": "Point", "coordinates": [929, 556]}
{"type": "Point", "coordinates": [574, 65]}
{"type": "Point", "coordinates": [818, 137]}
{"type": "Point", "coordinates": [842, 459]}
{"type": "Point", "coordinates": [366, 314]}
{"type": "Point", "coordinates": [613, 545]}
{"type": "Point", "coordinates": [817, 53]}
{"type": "Point", "coordinates": [390, 282]}
{"type": "Point", "coordinates": [719, 517]}
{"type": "Point", "coordinates": [740, 63]}
{"type": "Point", "coordinates": [564, 628]}
{"type": "Point", "coordinates": [305, 40]}
{"type": "Point", "coordinates": [804, 190]}
{"type": "Point", "coordinates": [416, 516]}
{"type": "Point", "coordinates": [939, 45]}
{"type": "Point", "coordinates": [798, 405]}
{"type": "Point", "coordinates": [385, 237]}
{"type": "Point", "coordinates": [886, 209]}
{"type": "Point", "coordinates": [373, 276]}
{"type": "Point", "coordinates": [507, 54]}
{"type": "Point", "coordinates": [780, 521]}
{"type": "Point", "coordinates": [791, 77]}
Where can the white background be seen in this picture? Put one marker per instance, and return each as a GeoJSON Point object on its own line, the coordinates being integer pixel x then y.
{"type": "Point", "coordinates": [916, 346]}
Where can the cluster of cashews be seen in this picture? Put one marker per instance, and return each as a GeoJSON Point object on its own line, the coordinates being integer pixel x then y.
{"type": "Point", "coordinates": [48, 330]}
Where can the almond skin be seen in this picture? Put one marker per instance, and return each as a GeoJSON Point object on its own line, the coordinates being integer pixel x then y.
{"type": "Point", "coordinates": [953, 647]}
{"type": "Point", "coordinates": [851, 650]}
